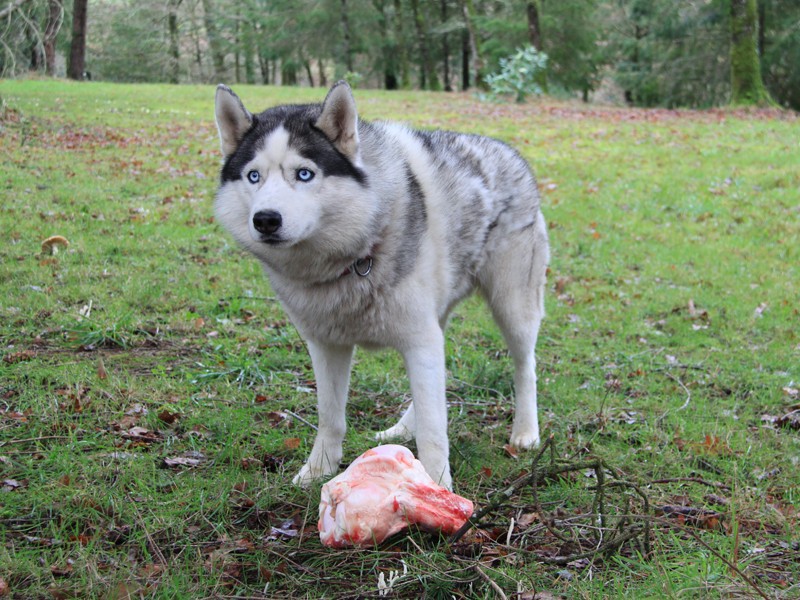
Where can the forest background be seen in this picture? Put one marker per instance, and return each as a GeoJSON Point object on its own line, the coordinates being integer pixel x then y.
{"type": "Point", "coordinates": [641, 52]}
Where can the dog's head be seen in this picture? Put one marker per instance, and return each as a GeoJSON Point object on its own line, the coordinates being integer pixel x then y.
{"type": "Point", "coordinates": [291, 173]}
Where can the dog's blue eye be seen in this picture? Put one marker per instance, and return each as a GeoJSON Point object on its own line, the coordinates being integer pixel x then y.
{"type": "Point", "coordinates": [253, 176]}
{"type": "Point", "coordinates": [305, 175]}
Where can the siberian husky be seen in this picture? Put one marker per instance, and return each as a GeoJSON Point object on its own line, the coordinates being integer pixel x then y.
{"type": "Point", "coordinates": [370, 233]}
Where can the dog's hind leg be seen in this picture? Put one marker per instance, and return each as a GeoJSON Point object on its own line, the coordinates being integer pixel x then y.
{"type": "Point", "coordinates": [513, 282]}
{"type": "Point", "coordinates": [403, 430]}
{"type": "Point", "coordinates": [332, 371]}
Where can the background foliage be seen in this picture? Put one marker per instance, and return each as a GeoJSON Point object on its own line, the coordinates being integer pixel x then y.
{"type": "Point", "coordinates": [646, 52]}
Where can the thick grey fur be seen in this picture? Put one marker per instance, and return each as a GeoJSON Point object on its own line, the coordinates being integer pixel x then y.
{"type": "Point", "coordinates": [439, 213]}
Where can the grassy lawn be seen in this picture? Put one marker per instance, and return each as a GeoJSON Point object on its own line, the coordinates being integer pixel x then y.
{"type": "Point", "coordinates": [155, 402]}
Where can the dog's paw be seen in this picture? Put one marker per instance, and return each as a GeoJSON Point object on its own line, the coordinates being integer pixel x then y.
{"type": "Point", "coordinates": [525, 440]}
{"type": "Point", "coordinates": [397, 433]}
{"type": "Point", "coordinates": [308, 476]}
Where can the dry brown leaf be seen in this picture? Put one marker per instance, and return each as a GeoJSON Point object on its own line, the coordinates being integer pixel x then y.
{"type": "Point", "coordinates": [189, 459]}
{"type": "Point", "coordinates": [168, 417]}
{"type": "Point", "coordinates": [511, 451]}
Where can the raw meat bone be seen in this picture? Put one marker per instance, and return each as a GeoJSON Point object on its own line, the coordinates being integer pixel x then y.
{"type": "Point", "coordinates": [383, 491]}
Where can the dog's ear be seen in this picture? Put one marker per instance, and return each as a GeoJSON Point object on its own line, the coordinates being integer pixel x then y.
{"type": "Point", "coordinates": [339, 120]}
{"type": "Point", "coordinates": [233, 120]}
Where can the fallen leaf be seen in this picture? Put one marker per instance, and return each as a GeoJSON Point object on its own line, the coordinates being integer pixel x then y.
{"type": "Point", "coordinates": [761, 475]}
{"type": "Point", "coordinates": [3, 587]}
{"type": "Point", "coordinates": [140, 434]}
{"type": "Point", "coordinates": [511, 451]}
{"type": "Point", "coordinates": [285, 530]}
{"type": "Point", "coordinates": [126, 590]}
{"type": "Point", "coordinates": [168, 417]}
{"type": "Point", "coordinates": [716, 499]}
{"type": "Point", "coordinates": [291, 443]}
{"type": "Point", "coordinates": [62, 571]}
{"type": "Point", "coordinates": [9, 485]}
{"type": "Point", "coordinates": [250, 462]}
{"type": "Point", "coordinates": [528, 519]}
{"type": "Point", "coordinates": [16, 357]}
{"type": "Point", "coordinates": [790, 420]}
{"type": "Point", "coordinates": [189, 459]}
{"type": "Point", "coordinates": [696, 517]}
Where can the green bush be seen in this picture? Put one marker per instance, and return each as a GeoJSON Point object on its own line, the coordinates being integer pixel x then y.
{"type": "Point", "coordinates": [520, 74]}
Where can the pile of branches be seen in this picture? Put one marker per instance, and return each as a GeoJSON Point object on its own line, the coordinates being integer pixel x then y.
{"type": "Point", "coordinates": [619, 514]}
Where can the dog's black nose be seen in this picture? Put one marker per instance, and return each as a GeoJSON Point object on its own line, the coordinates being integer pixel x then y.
{"type": "Point", "coordinates": [267, 221]}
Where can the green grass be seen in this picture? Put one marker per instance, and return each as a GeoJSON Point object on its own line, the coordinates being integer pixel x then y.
{"type": "Point", "coordinates": [670, 350]}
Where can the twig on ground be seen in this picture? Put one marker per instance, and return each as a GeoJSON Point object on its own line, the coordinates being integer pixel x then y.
{"type": "Point", "coordinates": [497, 589]}
{"type": "Point", "coordinates": [33, 439]}
{"type": "Point", "coordinates": [700, 541]}
{"type": "Point", "coordinates": [714, 484]}
{"type": "Point", "coordinates": [606, 539]}
{"type": "Point", "coordinates": [301, 419]}
{"type": "Point", "coordinates": [683, 406]}
{"type": "Point", "coordinates": [150, 541]}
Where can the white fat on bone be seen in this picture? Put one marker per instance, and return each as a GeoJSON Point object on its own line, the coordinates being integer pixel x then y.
{"type": "Point", "coordinates": [383, 491]}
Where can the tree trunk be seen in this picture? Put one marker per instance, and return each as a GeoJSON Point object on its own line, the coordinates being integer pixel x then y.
{"type": "Point", "coordinates": [263, 64]}
{"type": "Point", "coordinates": [465, 60]}
{"type": "Point", "coordinates": [747, 87]}
{"type": "Point", "coordinates": [348, 49]}
{"type": "Point", "coordinates": [534, 28]}
{"type": "Point", "coordinates": [389, 46]}
{"type": "Point", "coordinates": [535, 36]}
{"type": "Point", "coordinates": [248, 47]}
{"type": "Point", "coordinates": [214, 41]}
{"type": "Point", "coordinates": [402, 50]}
{"type": "Point", "coordinates": [288, 73]}
{"type": "Point", "coordinates": [55, 16]}
{"type": "Point", "coordinates": [468, 10]}
{"type": "Point", "coordinates": [446, 51]}
{"type": "Point", "coordinates": [174, 39]}
{"type": "Point", "coordinates": [77, 49]}
{"type": "Point", "coordinates": [237, 52]}
{"type": "Point", "coordinates": [428, 78]}
{"type": "Point", "coordinates": [309, 74]}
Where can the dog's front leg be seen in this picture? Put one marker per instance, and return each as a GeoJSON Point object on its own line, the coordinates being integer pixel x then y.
{"type": "Point", "coordinates": [426, 373]}
{"type": "Point", "coordinates": [332, 371]}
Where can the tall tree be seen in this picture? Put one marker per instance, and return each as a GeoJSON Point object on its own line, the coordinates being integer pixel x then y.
{"type": "Point", "coordinates": [468, 12]}
{"type": "Point", "coordinates": [747, 86]}
{"type": "Point", "coordinates": [388, 43]}
{"type": "Point", "coordinates": [348, 42]}
{"type": "Point", "coordinates": [534, 26]}
{"type": "Point", "coordinates": [781, 50]}
{"type": "Point", "coordinates": [446, 50]}
{"type": "Point", "coordinates": [402, 54]}
{"type": "Point", "coordinates": [55, 16]}
{"type": "Point", "coordinates": [428, 78]}
{"type": "Point", "coordinates": [215, 41]}
{"type": "Point", "coordinates": [77, 49]}
{"type": "Point", "coordinates": [174, 41]}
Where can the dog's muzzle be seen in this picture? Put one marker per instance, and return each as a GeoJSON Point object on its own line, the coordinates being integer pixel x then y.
{"type": "Point", "coordinates": [267, 222]}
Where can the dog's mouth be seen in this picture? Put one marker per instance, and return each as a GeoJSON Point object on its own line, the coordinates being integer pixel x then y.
{"type": "Point", "coordinates": [273, 240]}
